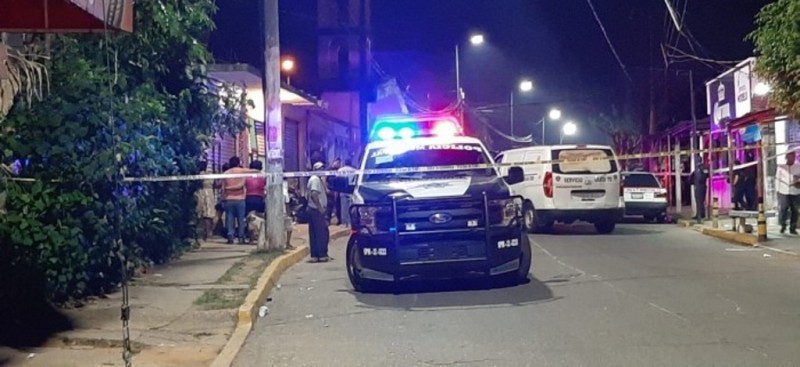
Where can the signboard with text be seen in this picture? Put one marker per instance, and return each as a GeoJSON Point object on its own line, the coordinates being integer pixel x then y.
{"type": "Point", "coordinates": [730, 95]}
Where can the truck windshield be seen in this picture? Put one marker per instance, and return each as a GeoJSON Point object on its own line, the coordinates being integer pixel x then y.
{"type": "Point", "coordinates": [427, 155]}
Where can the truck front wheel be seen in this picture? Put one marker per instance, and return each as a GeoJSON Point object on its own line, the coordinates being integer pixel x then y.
{"type": "Point", "coordinates": [353, 263]}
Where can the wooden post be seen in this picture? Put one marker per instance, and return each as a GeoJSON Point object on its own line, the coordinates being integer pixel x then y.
{"type": "Point", "coordinates": [715, 213]}
{"type": "Point", "coordinates": [678, 186]}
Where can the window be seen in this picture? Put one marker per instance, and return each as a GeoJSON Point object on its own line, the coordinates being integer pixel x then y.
{"type": "Point", "coordinates": [584, 161]}
{"type": "Point", "coordinates": [641, 180]}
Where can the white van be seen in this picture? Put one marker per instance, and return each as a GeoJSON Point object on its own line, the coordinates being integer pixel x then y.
{"type": "Point", "coordinates": [586, 185]}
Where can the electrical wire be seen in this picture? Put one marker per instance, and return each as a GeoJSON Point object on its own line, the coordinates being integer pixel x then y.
{"type": "Point", "coordinates": [608, 40]}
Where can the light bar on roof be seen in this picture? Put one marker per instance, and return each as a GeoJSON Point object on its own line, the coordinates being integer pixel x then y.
{"type": "Point", "coordinates": [415, 126]}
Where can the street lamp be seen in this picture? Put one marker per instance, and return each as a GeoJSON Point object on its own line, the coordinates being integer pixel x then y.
{"type": "Point", "coordinates": [554, 115]}
{"type": "Point", "coordinates": [761, 89]}
{"type": "Point", "coordinates": [287, 65]}
{"type": "Point", "coordinates": [525, 86]}
{"type": "Point", "coordinates": [569, 129]}
{"type": "Point", "coordinates": [476, 40]}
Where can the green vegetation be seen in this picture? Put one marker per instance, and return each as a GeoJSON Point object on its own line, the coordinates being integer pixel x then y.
{"type": "Point", "coordinates": [118, 104]}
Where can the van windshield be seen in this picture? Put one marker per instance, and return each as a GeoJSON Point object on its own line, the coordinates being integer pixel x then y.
{"type": "Point", "coordinates": [584, 161]}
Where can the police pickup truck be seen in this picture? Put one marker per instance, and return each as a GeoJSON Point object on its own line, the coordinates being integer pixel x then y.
{"type": "Point", "coordinates": [414, 220]}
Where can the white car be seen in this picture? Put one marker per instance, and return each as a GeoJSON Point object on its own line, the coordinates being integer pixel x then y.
{"type": "Point", "coordinates": [583, 184]}
{"type": "Point", "coordinates": [644, 196]}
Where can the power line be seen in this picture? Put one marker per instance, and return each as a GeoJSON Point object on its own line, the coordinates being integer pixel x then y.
{"type": "Point", "coordinates": [608, 40]}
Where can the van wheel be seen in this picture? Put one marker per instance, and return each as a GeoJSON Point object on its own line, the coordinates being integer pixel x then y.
{"type": "Point", "coordinates": [605, 227]}
{"type": "Point", "coordinates": [661, 218]}
{"type": "Point", "coordinates": [353, 264]}
{"type": "Point", "coordinates": [529, 217]}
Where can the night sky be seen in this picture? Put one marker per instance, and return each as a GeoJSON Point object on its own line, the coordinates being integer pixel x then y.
{"type": "Point", "coordinates": [558, 44]}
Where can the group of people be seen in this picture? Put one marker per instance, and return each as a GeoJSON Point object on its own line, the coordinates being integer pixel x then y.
{"type": "Point", "coordinates": [232, 197]}
{"type": "Point", "coordinates": [787, 182]}
{"type": "Point", "coordinates": [230, 200]}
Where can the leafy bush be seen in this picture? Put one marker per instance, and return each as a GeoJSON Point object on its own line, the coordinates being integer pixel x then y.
{"type": "Point", "coordinates": [123, 104]}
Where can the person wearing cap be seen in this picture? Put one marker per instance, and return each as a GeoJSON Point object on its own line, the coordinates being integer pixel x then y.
{"type": "Point", "coordinates": [788, 187]}
{"type": "Point", "coordinates": [317, 224]}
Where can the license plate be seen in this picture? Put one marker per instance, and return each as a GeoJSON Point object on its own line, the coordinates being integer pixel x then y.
{"type": "Point", "coordinates": [637, 196]}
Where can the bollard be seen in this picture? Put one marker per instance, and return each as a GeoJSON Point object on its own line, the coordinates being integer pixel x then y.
{"type": "Point", "coordinates": [762, 224]}
{"type": "Point", "coordinates": [715, 213]}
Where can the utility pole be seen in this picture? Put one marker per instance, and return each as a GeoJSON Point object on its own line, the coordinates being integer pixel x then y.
{"type": "Point", "coordinates": [693, 140]}
{"type": "Point", "coordinates": [364, 83]}
{"type": "Point", "coordinates": [459, 97]}
{"type": "Point", "coordinates": [273, 128]}
{"type": "Point", "coordinates": [512, 113]}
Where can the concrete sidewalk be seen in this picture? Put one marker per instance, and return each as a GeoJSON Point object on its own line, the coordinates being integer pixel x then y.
{"type": "Point", "coordinates": [179, 313]}
{"type": "Point", "coordinates": [784, 243]}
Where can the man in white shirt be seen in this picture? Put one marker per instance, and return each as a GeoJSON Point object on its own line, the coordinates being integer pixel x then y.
{"type": "Point", "coordinates": [317, 224]}
{"type": "Point", "coordinates": [788, 187]}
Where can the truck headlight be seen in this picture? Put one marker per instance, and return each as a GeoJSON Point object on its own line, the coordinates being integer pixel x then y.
{"type": "Point", "coordinates": [371, 219]}
{"type": "Point", "coordinates": [505, 211]}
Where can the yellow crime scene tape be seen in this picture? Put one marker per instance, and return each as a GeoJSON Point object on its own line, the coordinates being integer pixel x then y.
{"type": "Point", "coordinates": [446, 168]}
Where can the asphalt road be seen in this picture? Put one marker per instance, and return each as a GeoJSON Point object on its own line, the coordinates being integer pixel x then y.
{"type": "Point", "coordinates": [647, 295]}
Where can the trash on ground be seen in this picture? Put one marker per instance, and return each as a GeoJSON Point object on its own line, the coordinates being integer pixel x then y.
{"type": "Point", "coordinates": [31, 355]}
{"type": "Point", "coordinates": [310, 316]}
{"type": "Point", "coordinates": [263, 311]}
{"type": "Point", "coordinates": [767, 255]}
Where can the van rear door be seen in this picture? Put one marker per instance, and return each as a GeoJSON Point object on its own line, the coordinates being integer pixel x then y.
{"type": "Point", "coordinates": [585, 178]}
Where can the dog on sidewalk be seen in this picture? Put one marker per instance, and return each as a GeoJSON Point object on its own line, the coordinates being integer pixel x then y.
{"type": "Point", "coordinates": [255, 229]}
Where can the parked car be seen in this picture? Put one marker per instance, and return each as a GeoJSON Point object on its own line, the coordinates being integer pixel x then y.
{"type": "Point", "coordinates": [644, 196]}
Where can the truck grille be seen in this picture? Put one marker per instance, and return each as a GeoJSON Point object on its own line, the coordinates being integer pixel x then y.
{"type": "Point", "coordinates": [437, 216]}
{"type": "Point", "coordinates": [426, 249]}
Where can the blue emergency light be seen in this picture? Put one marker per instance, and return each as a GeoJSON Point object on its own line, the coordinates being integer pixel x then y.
{"type": "Point", "coordinates": [415, 126]}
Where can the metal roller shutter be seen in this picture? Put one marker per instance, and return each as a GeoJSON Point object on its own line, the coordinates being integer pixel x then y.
{"type": "Point", "coordinates": [291, 153]}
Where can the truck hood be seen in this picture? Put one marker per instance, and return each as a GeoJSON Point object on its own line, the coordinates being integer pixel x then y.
{"type": "Point", "coordinates": [373, 192]}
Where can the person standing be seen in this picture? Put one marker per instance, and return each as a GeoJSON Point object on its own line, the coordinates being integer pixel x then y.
{"type": "Point", "coordinates": [346, 199]}
{"type": "Point", "coordinates": [233, 191]}
{"type": "Point", "coordinates": [333, 197]}
{"type": "Point", "coordinates": [255, 189]}
{"type": "Point", "coordinates": [699, 178]}
{"type": "Point", "coordinates": [750, 181]}
{"type": "Point", "coordinates": [206, 202]}
{"type": "Point", "coordinates": [788, 187]}
{"type": "Point", "coordinates": [317, 224]}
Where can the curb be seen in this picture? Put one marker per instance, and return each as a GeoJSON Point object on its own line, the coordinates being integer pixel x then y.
{"type": "Point", "coordinates": [735, 237]}
{"type": "Point", "coordinates": [743, 239]}
{"type": "Point", "coordinates": [268, 279]}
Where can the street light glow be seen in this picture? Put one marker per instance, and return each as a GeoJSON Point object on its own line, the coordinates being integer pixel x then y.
{"type": "Point", "coordinates": [555, 114]}
{"type": "Point", "coordinates": [526, 86]}
{"type": "Point", "coordinates": [287, 65]}
{"type": "Point", "coordinates": [761, 89]}
{"type": "Point", "coordinates": [569, 128]}
{"type": "Point", "coordinates": [476, 39]}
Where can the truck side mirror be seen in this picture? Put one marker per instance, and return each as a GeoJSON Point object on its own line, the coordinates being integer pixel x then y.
{"type": "Point", "coordinates": [515, 175]}
{"type": "Point", "coordinates": [341, 184]}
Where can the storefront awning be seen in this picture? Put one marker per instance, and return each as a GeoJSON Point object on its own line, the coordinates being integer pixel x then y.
{"type": "Point", "coordinates": [66, 15]}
